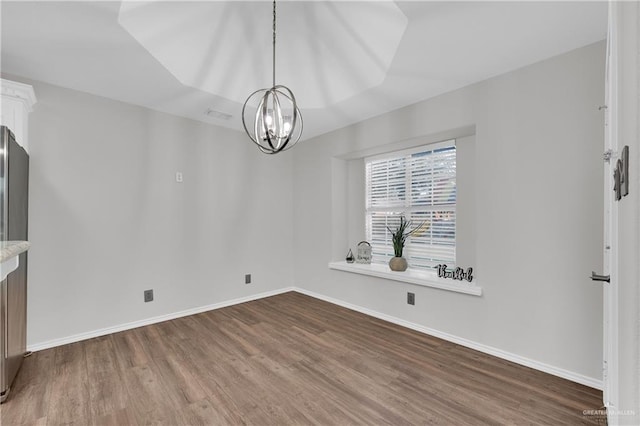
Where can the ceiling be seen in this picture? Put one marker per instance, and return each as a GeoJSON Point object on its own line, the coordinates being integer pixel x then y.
{"type": "Point", "coordinates": [344, 61]}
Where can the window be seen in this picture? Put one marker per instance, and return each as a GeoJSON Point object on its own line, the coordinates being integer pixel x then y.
{"type": "Point", "coordinates": [421, 185]}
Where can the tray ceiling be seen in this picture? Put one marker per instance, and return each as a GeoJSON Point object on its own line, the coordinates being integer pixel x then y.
{"type": "Point", "coordinates": [345, 61]}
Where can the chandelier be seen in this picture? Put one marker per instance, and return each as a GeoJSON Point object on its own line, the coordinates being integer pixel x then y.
{"type": "Point", "coordinates": [277, 123]}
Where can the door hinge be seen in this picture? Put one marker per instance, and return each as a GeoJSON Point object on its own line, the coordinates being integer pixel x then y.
{"type": "Point", "coordinates": [607, 155]}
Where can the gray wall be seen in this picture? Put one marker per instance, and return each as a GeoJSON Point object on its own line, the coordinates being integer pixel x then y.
{"type": "Point", "coordinates": [108, 220]}
{"type": "Point", "coordinates": [537, 212]}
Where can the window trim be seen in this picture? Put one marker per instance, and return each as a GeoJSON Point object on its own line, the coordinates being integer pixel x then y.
{"type": "Point", "coordinates": [410, 151]}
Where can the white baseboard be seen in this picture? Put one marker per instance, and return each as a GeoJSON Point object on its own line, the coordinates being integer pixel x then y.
{"type": "Point", "coordinates": [527, 362]}
{"type": "Point", "coordinates": [128, 326]}
{"type": "Point", "coordinates": [560, 372]}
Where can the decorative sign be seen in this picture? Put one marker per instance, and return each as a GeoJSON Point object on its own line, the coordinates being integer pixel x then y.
{"type": "Point", "coordinates": [455, 274]}
{"type": "Point", "coordinates": [621, 175]}
{"type": "Point", "coordinates": [364, 253]}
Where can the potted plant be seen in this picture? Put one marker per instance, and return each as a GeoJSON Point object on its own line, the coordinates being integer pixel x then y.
{"type": "Point", "coordinates": [398, 237]}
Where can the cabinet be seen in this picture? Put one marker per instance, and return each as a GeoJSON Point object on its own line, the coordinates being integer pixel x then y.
{"type": "Point", "coordinates": [17, 102]}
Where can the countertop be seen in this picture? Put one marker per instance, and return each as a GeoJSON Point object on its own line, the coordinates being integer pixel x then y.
{"type": "Point", "coordinates": [9, 249]}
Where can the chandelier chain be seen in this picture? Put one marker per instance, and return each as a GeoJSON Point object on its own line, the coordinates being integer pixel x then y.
{"type": "Point", "coordinates": [274, 43]}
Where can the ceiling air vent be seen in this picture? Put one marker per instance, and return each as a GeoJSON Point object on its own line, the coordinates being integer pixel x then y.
{"type": "Point", "coordinates": [217, 114]}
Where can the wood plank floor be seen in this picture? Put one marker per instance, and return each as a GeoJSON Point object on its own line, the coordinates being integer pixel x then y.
{"type": "Point", "coordinates": [287, 359]}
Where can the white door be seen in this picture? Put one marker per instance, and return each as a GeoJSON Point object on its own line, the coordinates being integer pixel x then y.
{"type": "Point", "coordinates": [610, 249]}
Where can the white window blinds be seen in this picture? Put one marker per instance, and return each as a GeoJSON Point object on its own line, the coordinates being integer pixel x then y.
{"type": "Point", "coordinates": [421, 185]}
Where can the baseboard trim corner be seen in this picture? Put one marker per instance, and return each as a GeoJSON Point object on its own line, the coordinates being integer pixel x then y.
{"type": "Point", "coordinates": [527, 362]}
{"type": "Point", "coordinates": [153, 320]}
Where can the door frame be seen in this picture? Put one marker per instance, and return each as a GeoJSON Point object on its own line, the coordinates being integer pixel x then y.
{"type": "Point", "coordinates": [610, 250]}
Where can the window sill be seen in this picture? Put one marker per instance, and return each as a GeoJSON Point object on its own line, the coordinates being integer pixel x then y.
{"type": "Point", "coordinates": [412, 276]}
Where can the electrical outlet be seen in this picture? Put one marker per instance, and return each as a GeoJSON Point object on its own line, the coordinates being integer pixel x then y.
{"type": "Point", "coordinates": [247, 279]}
{"type": "Point", "coordinates": [179, 177]}
{"type": "Point", "coordinates": [148, 296]}
{"type": "Point", "coordinates": [411, 298]}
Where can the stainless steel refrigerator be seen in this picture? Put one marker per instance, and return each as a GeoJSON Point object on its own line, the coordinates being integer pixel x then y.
{"type": "Point", "coordinates": [14, 196]}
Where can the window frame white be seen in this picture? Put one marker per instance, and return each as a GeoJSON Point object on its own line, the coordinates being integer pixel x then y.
{"type": "Point", "coordinates": [409, 206]}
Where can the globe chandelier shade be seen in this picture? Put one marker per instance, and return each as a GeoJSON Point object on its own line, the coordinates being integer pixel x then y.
{"type": "Point", "coordinates": [276, 124]}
